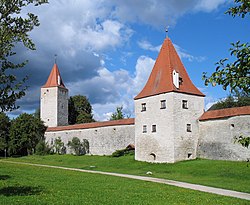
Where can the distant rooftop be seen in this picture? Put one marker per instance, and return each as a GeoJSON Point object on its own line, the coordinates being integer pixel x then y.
{"type": "Point", "coordinates": [225, 113]}
{"type": "Point", "coordinates": [130, 121]}
{"type": "Point", "coordinates": [54, 79]}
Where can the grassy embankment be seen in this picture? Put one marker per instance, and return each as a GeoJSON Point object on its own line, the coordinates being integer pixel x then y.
{"type": "Point", "coordinates": [222, 174]}
{"type": "Point", "coordinates": [23, 184]}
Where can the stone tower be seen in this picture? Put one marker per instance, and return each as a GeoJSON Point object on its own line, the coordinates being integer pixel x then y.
{"type": "Point", "coordinates": [167, 111]}
{"type": "Point", "coordinates": [54, 100]}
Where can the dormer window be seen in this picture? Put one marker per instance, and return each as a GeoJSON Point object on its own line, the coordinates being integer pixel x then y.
{"type": "Point", "coordinates": [180, 80]}
{"type": "Point", "coordinates": [143, 107]}
{"type": "Point", "coordinates": [184, 104]}
{"type": "Point", "coordinates": [163, 104]}
{"type": "Point", "coordinates": [176, 79]}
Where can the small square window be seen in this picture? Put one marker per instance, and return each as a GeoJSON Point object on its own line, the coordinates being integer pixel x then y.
{"type": "Point", "coordinates": [153, 128]}
{"type": "Point", "coordinates": [184, 104]}
{"type": "Point", "coordinates": [143, 107]}
{"type": "Point", "coordinates": [144, 129]}
{"type": "Point", "coordinates": [163, 104]}
{"type": "Point", "coordinates": [189, 128]}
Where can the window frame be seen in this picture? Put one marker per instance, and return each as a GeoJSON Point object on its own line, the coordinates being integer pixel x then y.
{"type": "Point", "coordinates": [144, 129]}
{"type": "Point", "coordinates": [189, 128]}
{"type": "Point", "coordinates": [163, 102]}
{"type": "Point", "coordinates": [184, 104]}
{"type": "Point", "coordinates": [153, 128]}
{"type": "Point", "coordinates": [143, 107]}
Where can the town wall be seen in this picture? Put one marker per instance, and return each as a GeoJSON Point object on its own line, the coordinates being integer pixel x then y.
{"type": "Point", "coordinates": [102, 140]}
{"type": "Point", "coordinates": [217, 138]}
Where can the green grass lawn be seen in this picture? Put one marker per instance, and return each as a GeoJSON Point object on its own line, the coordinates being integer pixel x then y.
{"type": "Point", "coordinates": [23, 184]}
{"type": "Point", "coordinates": [223, 174]}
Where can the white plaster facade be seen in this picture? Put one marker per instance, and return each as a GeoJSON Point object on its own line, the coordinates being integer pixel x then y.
{"type": "Point", "coordinates": [102, 140]}
{"type": "Point", "coordinates": [217, 138]}
{"type": "Point", "coordinates": [171, 141]}
{"type": "Point", "coordinates": [54, 106]}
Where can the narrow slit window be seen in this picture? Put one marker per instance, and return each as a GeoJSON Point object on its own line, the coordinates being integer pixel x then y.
{"type": "Point", "coordinates": [189, 128]}
{"type": "Point", "coordinates": [163, 104]}
{"type": "Point", "coordinates": [144, 129]}
{"type": "Point", "coordinates": [143, 107]}
{"type": "Point", "coordinates": [184, 104]}
{"type": "Point", "coordinates": [153, 128]}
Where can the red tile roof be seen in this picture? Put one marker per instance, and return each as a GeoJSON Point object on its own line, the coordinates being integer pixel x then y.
{"type": "Point", "coordinates": [55, 79]}
{"type": "Point", "coordinates": [161, 80]}
{"type": "Point", "coordinates": [130, 121]}
{"type": "Point", "coordinates": [225, 113]}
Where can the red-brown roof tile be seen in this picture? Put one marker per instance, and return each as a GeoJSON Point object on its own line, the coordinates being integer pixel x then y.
{"type": "Point", "coordinates": [54, 79]}
{"type": "Point", "coordinates": [161, 80]}
{"type": "Point", "coordinates": [130, 121]}
{"type": "Point", "coordinates": [225, 113]}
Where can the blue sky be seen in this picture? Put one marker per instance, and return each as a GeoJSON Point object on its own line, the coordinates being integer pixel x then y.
{"type": "Point", "coordinates": [106, 48]}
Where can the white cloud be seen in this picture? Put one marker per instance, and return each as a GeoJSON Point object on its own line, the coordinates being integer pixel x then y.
{"type": "Point", "coordinates": [148, 46]}
{"type": "Point", "coordinates": [181, 52]}
{"type": "Point", "coordinates": [209, 5]}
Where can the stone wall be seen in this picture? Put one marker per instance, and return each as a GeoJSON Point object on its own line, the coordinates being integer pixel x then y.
{"type": "Point", "coordinates": [102, 140]}
{"type": "Point", "coordinates": [217, 138]}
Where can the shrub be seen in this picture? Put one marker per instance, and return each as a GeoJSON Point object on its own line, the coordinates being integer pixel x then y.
{"type": "Point", "coordinates": [42, 148]}
{"type": "Point", "coordinates": [122, 152]}
{"type": "Point", "coordinates": [78, 147]}
{"type": "Point", "coordinates": [59, 146]}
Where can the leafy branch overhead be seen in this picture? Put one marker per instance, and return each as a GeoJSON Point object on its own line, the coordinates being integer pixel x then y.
{"type": "Point", "coordinates": [14, 30]}
{"type": "Point", "coordinates": [235, 74]}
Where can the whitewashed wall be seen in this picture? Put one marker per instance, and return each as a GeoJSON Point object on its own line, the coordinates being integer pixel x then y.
{"type": "Point", "coordinates": [217, 138]}
{"type": "Point", "coordinates": [102, 140]}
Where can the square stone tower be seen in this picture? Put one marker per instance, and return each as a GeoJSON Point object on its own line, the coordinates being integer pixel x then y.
{"type": "Point", "coordinates": [167, 112]}
{"type": "Point", "coordinates": [54, 100]}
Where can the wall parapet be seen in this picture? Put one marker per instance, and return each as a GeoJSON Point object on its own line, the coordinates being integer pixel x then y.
{"type": "Point", "coordinates": [130, 121]}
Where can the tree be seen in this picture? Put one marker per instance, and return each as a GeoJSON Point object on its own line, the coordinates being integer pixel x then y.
{"type": "Point", "coordinates": [79, 148]}
{"type": "Point", "coordinates": [59, 146]}
{"type": "Point", "coordinates": [231, 101]}
{"type": "Point", "coordinates": [80, 110]}
{"type": "Point", "coordinates": [235, 74]}
{"type": "Point", "coordinates": [118, 115]}
{"type": "Point", "coordinates": [14, 30]}
{"type": "Point", "coordinates": [241, 9]}
{"type": "Point", "coordinates": [25, 132]}
{"type": "Point", "coordinates": [4, 133]}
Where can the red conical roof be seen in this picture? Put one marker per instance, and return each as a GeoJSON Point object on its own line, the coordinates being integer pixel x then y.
{"type": "Point", "coordinates": [55, 79]}
{"type": "Point", "coordinates": [161, 78]}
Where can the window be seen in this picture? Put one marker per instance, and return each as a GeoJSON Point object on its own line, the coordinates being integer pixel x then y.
{"type": "Point", "coordinates": [184, 104]}
{"type": "Point", "coordinates": [144, 129]}
{"type": "Point", "coordinates": [153, 128]}
{"type": "Point", "coordinates": [143, 107]}
{"type": "Point", "coordinates": [163, 104]}
{"type": "Point", "coordinates": [189, 128]}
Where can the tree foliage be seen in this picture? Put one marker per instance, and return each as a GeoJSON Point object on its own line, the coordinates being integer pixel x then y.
{"type": "Point", "coordinates": [235, 74]}
{"type": "Point", "coordinates": [14, 29]}
{"type": "Point", "coordinates": [118, 114]}
{"type": "Point", "coordinates": [80, 110]}
{"type": "Point", "coordinates": [59, 146]}
{"type": "Point", "coordinates": [231, 101]}
{"type": "Point", "coordinates": [241, 9]}
{"type": "Point", "coordinates": [4, 132]}
{"type": "Point", "coordinates": [25, 132]}
{"type": "Point", "coordinates": [79, 148]}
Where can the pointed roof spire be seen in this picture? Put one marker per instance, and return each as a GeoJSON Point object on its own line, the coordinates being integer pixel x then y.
{"type": "Point", "coordinates": [54, 79]}
{"type": "Point", "coordinates": [168, 75]}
